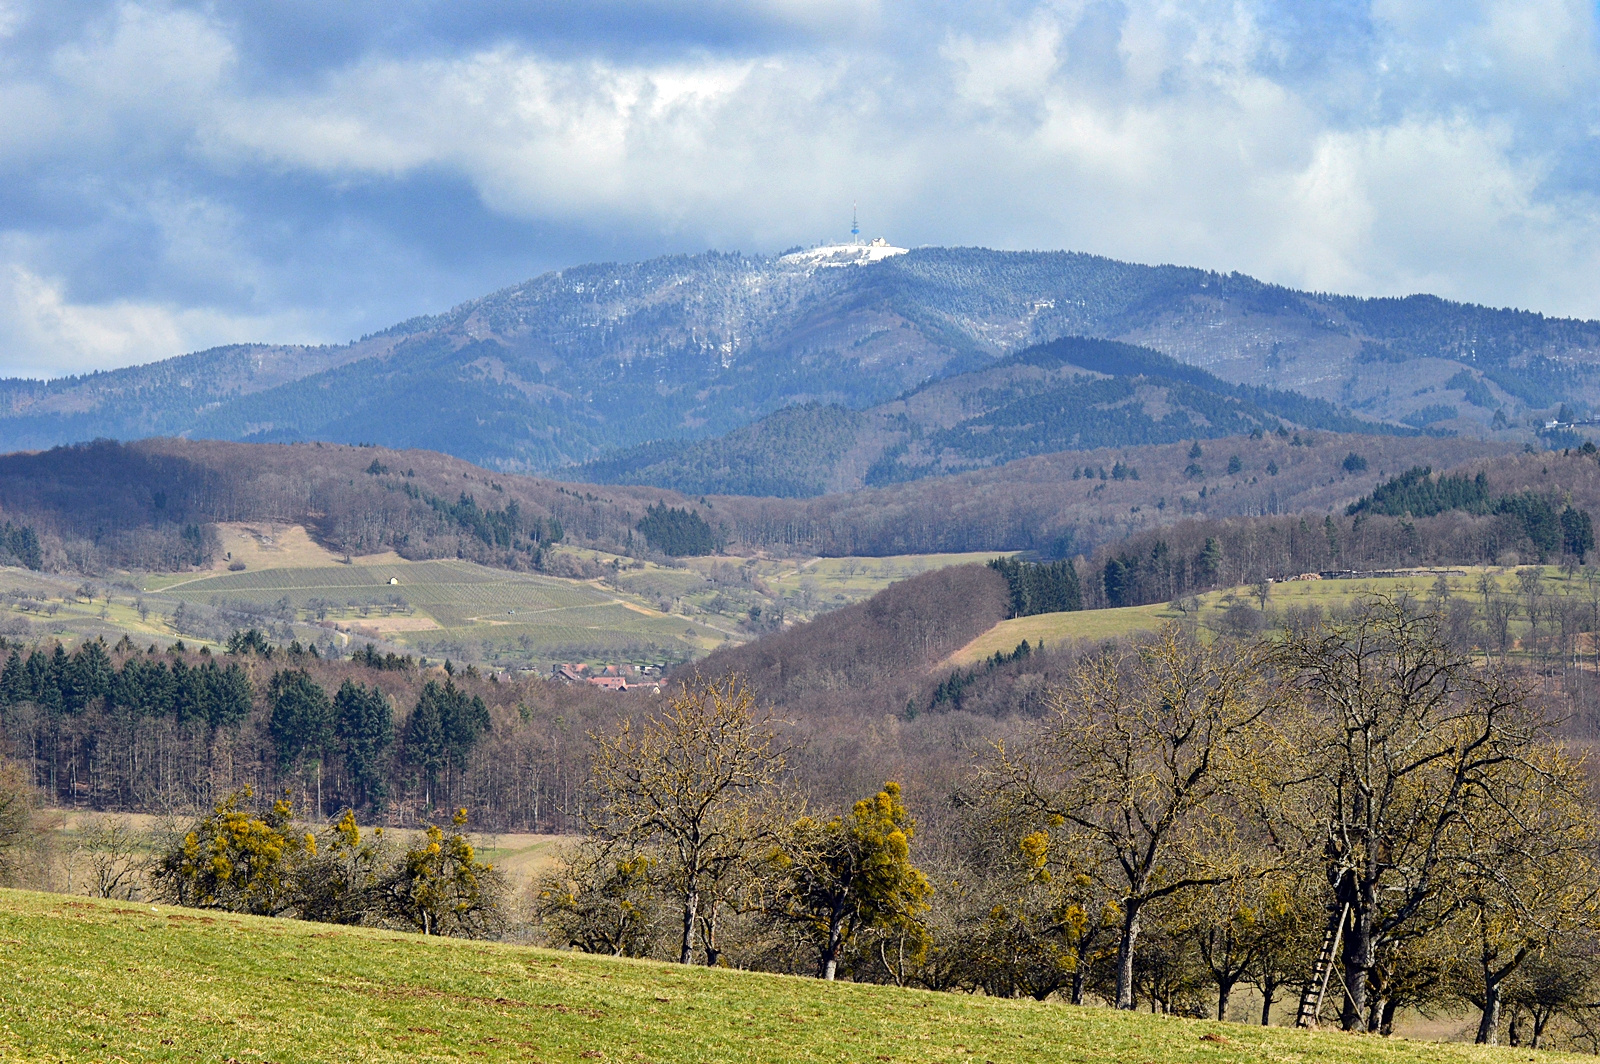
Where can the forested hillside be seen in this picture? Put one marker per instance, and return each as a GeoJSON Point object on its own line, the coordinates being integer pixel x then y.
{"type": "Point", "coordinates": [1074, 501]}
{"type": "Point", "coordinates": [1515, 510]}
{"type": "Point", "coordinates": [573, 364]}
{"type": "Point", "coordinates": [1070, 394]}
{"type": "Point", "coordinates": [149, 505]}
{"type": "Point", "coordinates": [128, 727]}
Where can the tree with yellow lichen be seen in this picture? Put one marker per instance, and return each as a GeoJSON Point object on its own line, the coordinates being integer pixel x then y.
{"type": "Point", "coordinates": [842, 878]}
{"type": "Point", "coordinates": [233, 860]}
{"type": "Point", "coordinates": [440, 887]}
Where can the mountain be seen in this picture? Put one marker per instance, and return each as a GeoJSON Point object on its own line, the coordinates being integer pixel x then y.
{"type": "Point", "coordinates": [574, 364]}
{"type": "Point", "coordinates": [1071, 394]}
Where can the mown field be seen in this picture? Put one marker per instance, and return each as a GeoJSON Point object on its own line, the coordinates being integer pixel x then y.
{"type": "Point", "coordinates": [103, 981]}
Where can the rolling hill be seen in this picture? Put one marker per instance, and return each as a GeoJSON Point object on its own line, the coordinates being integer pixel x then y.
{"type": "Point", "coordinates": [154, 505]}
{"type": "Point", "coordinates": [570, 365]}
{"type": "Point", "coordinates": [93, 980]}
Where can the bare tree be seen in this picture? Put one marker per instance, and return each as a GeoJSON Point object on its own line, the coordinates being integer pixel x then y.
{"type": "Point", "coordinates": [16, 817]}
{"type": "Point", "coordinates": [685, 780]}
{"type": "Point", "coordinates": [115, 865]}
{"type": "Point", "coordinates": [1139, 755]}
{"type": "Point", "coordinates": [1404, 743]}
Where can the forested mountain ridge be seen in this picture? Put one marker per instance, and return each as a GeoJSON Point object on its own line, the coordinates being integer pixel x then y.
{"type": "Point", "coordinates": [571, 364]}
{"type": "Point", "coordinates": [1068, 394]}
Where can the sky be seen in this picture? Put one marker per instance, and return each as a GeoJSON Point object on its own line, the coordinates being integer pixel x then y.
{"type": "Point", "coordinates": [175, 176]}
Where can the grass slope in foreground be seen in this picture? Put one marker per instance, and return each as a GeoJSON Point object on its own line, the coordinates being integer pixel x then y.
{"type": "Point", "coordinates": [99, 981]}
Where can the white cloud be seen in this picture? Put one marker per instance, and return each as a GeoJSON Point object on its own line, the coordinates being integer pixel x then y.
{"type": "Point", "coordinates": [46, 335]}
{"type": "Point", "coordinates": [1420, 153]}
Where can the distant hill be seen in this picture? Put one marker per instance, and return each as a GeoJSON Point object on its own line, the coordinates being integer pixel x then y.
{"type": "Point", "coordinates": [574, 364]}
{"type": "Point", "coordinates": [1071, 501]}
{"type": "Point", "coordinates": [1068, 394]}
{"type": "Point", "coordinates": [150, 504]}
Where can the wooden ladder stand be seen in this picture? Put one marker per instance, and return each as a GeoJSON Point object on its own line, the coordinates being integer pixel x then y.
{"type": "Point", "coordinates": [1311, 997]}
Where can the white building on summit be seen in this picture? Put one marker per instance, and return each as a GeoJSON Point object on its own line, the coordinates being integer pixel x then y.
{"type": "Point", "coordinates": [844, 254]}
{"type": "Point", "coordinates": [854, 253]}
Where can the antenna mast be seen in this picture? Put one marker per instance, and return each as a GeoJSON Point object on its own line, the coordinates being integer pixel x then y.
{"type": "Point", "coordinates": [855, 228]}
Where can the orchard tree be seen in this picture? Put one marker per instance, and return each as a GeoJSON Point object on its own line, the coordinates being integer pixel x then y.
{"type": "Point", "coordinates": [441, 888]}
{"type": "Point", "coordinates": [1406, 746]}
{"type": "Point", "coordinates": [16, 817]}
{"type": "Point", "coordinates": [687, 782]}
{"type": "Point", "coordinates": [602, 899]}
{"type": "Point", "coordinates": [852, 875]}
{"type": "Point", "coordinates": [1136, 765]}
{"type": "Point", "coordinates": [1527, 878]}
{"type": "Point", "coordinates": [233, 860]}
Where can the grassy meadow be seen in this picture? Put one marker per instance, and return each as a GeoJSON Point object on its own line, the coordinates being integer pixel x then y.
{"type": "Point", "coordinates": [1207, 610]}
{"type": "Point", "coordinates": [98, 981]}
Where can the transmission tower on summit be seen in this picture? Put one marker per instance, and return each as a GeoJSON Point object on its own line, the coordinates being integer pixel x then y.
{"type": "Point", "coordinates": [855, 227]}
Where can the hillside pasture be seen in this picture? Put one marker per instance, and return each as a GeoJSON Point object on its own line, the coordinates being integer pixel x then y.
{"type": "Point", "coordinates": [1209, 610]}
{"type": "Point", "coordinates": [95, 981]}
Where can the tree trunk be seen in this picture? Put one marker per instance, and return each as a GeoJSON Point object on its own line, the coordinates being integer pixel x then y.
{"type": "Point", "coordinates": [1386, 1026]}
{"type": "Point", "coordinates": [830, 955]}
{"type": "Point", "coordinates": [1130, 936]}
{"type": "Point", "coordinates": [1357, 965]}
{"type": "Point", "coordinates": [708, 936]}
{"type": "Point", "coordinates": [1489, 1020]}
{"type": "Point", "coordinates": [1268, 992]}
{"type": "Point", "coordinates": [691, 912]}
{"type": "Point", "coordinates": [1224, 992]}
{"type": "Point", "coordinates": [1078, 979]}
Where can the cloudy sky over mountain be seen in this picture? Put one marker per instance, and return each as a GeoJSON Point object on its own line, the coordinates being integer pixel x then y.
{"type": "Point", "coordinates": [182, 175]}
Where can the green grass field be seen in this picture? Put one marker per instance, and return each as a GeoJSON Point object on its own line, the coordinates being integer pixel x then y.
{"type": "Point", "coordinates": [1286, 595]}
{"type": "Point", "coordinates": [102, 981]}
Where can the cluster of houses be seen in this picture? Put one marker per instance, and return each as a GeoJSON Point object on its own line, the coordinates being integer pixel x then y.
{"type": "Point", "coordinates": [610, 677]}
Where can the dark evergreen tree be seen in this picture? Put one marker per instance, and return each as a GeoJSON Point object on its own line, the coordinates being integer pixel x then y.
{"type": "Point", "coordinates": [1577, 533]}
{"type": "Point", "coordinates": [87, 677]}
{"type": "Point", "coordinates": [1035, 588]}
{"type": "Point", "coordinates": [302, 717]}
{"type": "Point", "coordinates": [425, 748]}
{"type": "Point", "coordinates": [365, 726]}
{"type": "Point", "coordinates": [250, 641]}
{"type": "Point", "coordinates": [677, 532]}
{"type": "Point", "coordinates": [228, 694]}
{"type": "Point", "coordinates": [443, 728]}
